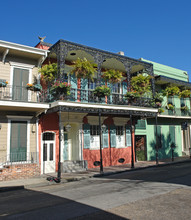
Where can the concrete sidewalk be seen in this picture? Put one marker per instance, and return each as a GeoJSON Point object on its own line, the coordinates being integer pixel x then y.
{"type": "Point", "coordinates": [68, 177]}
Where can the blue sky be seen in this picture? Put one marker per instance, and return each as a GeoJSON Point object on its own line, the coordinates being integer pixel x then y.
{"type": "Point", "coordinates": [158, 30]}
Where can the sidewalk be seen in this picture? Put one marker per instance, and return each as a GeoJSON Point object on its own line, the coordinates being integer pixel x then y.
{"type": "Point", "coordinates": [68, 177]}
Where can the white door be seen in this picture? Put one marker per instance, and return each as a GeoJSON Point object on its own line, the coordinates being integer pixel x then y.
{"type": "Point", "coordinates": [48, 153]}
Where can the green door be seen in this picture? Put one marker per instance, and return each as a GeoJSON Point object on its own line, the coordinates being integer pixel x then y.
{"type": "Point", "coordinates": [18, 141]}
{"type": "Point", "coordinates": [20, 80]}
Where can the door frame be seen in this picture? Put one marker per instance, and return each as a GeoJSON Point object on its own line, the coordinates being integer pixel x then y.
{"type": "Point", "coordinates": [42, 142]}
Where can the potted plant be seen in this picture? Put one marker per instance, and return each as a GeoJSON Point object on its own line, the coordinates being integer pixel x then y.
{"type": "Point", "coordinates": [3, 83]}
{"type": "Point", "coordinates": [141, 83]}
{"type": "Point", "coordinates": [61, 88]}
{"type": "Point", "coordinates": [37, 87]}
{"type": "Point", "coordinates": [49, 72]}
{"type": "Point", "coordinates": [30, 86]}
{"type": "Point", "coordinates": [132, 95]}
{"type": "Point", "coordinates": [112, 76]}
{"type": "Point", "coordinates": [160, 110]}
{"type": "Point", "coordinates": [170, 106]}
{"type": "Point", "coordinates": [171, 91]}
{"type": "Point", "coordinates": [102, 91]}
{"type": "Point", "coordinates": [185, 94]}
{"type": "Point", "coordinates": [82, 68]}
{"type": "Point", "coordinates": [184, 108]}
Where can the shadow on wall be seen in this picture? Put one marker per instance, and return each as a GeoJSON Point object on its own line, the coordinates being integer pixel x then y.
{"type": "Point", "coordinates": [164, 148]}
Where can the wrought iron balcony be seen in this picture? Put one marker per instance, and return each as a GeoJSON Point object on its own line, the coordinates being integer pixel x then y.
{"type": "Point", "coordinates": [22, 94]}
{"type": "Point", "coordinates": [87, 96]}
{"type": "Point", "coordinates": [176, 112]}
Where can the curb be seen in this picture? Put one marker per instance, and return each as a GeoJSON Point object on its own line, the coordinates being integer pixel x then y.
{"type": "Point", "coordinates": [10, 188]}
{"type": "Point", "coordinates": [141, 168]}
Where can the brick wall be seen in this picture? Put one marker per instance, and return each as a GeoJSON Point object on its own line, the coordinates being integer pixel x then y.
{"type": "Point", "coordinates": [19, 171]}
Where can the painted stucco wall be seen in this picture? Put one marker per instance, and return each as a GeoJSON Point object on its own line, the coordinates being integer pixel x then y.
{"type": "Point", "coordinates": [164, 70]}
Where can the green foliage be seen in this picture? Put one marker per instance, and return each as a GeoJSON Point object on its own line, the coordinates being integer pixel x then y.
{"type": "Point", "coordinates": [132, 95]}
{"type": "Point", "coordinates": [170, 107]}
{"type": "Point", "coordinates": [184, 108]}
{"type": "Point", "coordinates": [49, 72]}
{"type": "Point", "coordinates": [61, 88]}
{"type": "Point", "coordinates": [140, 154]}
{"type": "Point", "coordinates": [158, 97]}
{"type": "Point", "coordinates": [101, 91]}
{"type": "Point", "coordinates": [185, 94]}
{"type": "Point", "coordinates": [141, 83]}
{"type": "Point", "coordinates": [112, 76]}
{"type": "Point", "coordinates": [171, 91]}
{"type": "Point", "coordinates": [160, 110]}
{"type": "Point", "coordinates": [82, 68]}
{"type": "Point", "coordinates": [34, 87]}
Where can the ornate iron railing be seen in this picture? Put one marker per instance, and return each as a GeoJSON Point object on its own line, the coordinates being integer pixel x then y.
{"type": "Point", "coordinates": [18, 158]}
{"type": "Point", "coordinates": [87, 96]}
{"type": "Point", "coordinates": [22, 94]}
{"type": "Point", "coordinates": [176, 112]}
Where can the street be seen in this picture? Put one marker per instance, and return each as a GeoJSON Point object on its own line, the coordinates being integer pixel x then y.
{"type": "Point", "coordinates": [153, 193]}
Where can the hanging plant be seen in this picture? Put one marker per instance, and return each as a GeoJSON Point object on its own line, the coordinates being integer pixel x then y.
{"type": "Point", "coordinates": [82, 68]}
{"type": "Point", "coordinates": [184, 108]}
{"type": "Point", "coordinates": [61, 88]}
{"type": "Point", "coordinates": [160, 110]}
{"type": "Point", "coordinates": [3, 83]}
{"type": "Point", "coordinates": [170, 107]}
{"type": "Point", "coordinates": [141, 83]}
{"type": "Point", "coordinates": [171, 91]}
{"type": "Point", "coordinates": [34, 87]}
{"type": "Point", "coordinates": [185, 94]}
{"type": "Point", "coordinates": [49, 72]}
{"type": "Point", "coordinates": [132, 95]}
{"type": "Point", "coordinates": [158, 97]}
{"type": "Point", "coordinates": [102, 91]}
{"type": "Point", "coordinates": [112, 76]}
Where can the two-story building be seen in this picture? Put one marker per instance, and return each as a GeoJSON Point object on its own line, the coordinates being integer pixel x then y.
{"type": "Point", "coordinates": [19, 110]}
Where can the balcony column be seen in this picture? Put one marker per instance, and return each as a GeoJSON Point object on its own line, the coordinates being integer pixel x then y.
{"type": "Point", "coordinates": [99, 60]}
{"type": "Point", "coordinates": [61, 54]}
{"type": "Point", "coordinates": [151, 73]}
{"type": "Point", "coordinates": [128, 67]}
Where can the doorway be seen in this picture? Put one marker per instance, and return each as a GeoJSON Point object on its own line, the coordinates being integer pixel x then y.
{"type": "Point", "coordinates": [48, 152]}
{"type": "Point", "coordinates": [140, 146]}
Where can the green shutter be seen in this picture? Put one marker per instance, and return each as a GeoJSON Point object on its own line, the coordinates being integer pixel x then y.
{"type": "Point", "coordinates": [113, 135]}
{"type": "Point", "coordinates": [18, 141]}
{"type": "Point", "coordinates": [105, 138]}
{"type": "Point", "coordinates": [84, 86]}
{"type": "Point", "coordinates": [172, 134]}
{"type": "Point", "coordinates": [128, 136]}
{"type": "Point", "coordinates": [124, 84]}
{"type": "Point", "coordinates": [73, 82]}
{"type": "Point", "coordinates": [86, 129]}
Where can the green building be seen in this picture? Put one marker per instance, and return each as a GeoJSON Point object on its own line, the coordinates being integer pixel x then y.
{"type": "Point", "coordinates": [173, 128]}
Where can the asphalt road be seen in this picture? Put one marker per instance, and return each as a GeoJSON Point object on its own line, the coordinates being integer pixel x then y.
{"type": "Point", "coordinates": [154, 193]}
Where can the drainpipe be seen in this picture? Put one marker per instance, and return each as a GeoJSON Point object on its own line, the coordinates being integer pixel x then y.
{"type": "Point", "coordinates": [37, 141]}
{"type": "Point", "coordinates": [100, 143]}
{"type": "Point", "coordinates": [132, 151]}
{"type": "Point", "coordinates": [157, 156]}
{"type": "Point", "coordinates": [60, 143]}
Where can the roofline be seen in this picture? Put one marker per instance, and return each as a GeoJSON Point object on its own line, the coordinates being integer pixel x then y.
{"type": "Point", "coordinates": [92, 48]}
{"type": "Point", "coordinates": [24, 48]}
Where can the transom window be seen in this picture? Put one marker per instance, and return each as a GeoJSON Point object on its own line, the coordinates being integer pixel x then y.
{"type": "Point", "coordinates": [94, 129]}
{"type": "Point", "coordinates": [48, 136]}
{"type": "Point", "coordinates": [119, 130]}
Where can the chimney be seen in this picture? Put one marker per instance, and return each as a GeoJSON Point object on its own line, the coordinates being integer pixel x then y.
{"type": "Point", "coordinates": [121, 53]}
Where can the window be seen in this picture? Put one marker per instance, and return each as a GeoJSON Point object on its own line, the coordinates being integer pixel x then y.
{"type": "Point", "coordinates": [92, 84]}
{"type": "Point", "coordinates": [120, 137]}
{"type": "Point", "coordinates": [116, 88]}
{"type": "Point", "coordinates": [94, 136]}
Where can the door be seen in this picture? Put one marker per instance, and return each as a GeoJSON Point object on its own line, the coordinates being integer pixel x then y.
{"type": "Point", "coordinates": [65, 153]}
{"type": "Point", "coordinates": [20, 80]}
{"type": "Point", "coordinates": [48, 152]}
{"type": "Point", "coordinates": [140, 144]}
